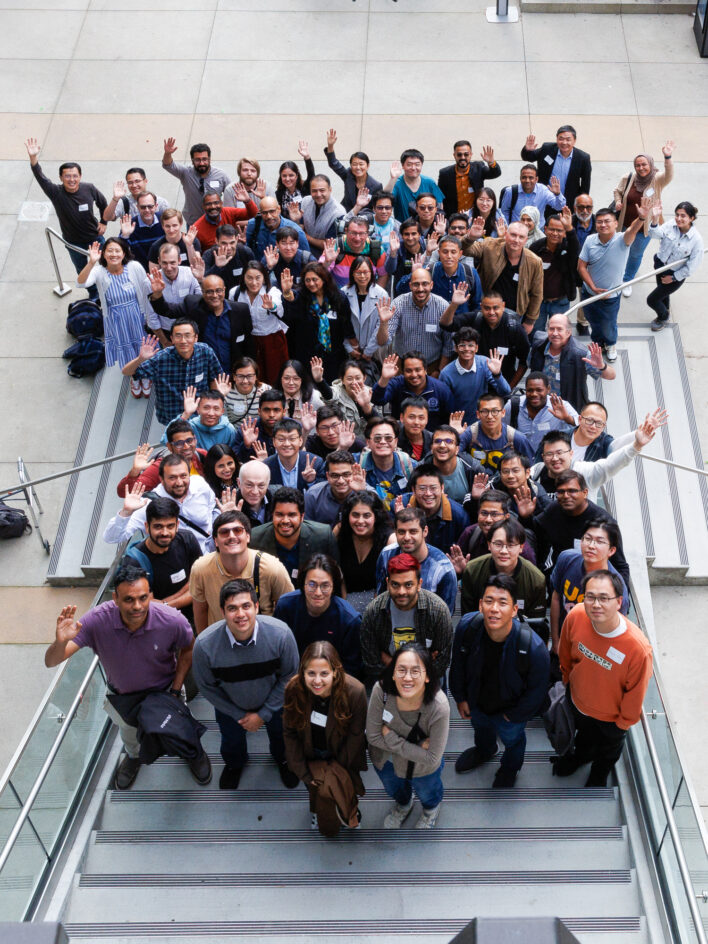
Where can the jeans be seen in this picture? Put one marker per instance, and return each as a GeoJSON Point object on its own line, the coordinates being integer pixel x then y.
{"type": "Point", "coordinates": [79, 261]}
{"type": "Point", "coordinates": [428, 789]}
{"type": "Point", "coordinates": [234, 749]}
{"type": "Point", "coordinates": [658, 299]}
{"type": "Point", "coordinates": [511, 733]}
{"type": "Point", "coordinates": [602, 318]}
{"type": "Point", "coordinates": [636, 254]}
{"type": "Point", "coordinates": [557, 307]}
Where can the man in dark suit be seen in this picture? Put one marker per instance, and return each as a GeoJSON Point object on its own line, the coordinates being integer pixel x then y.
{"type": "Point", "coordinates": [460, 181]}
{"type": "Point", "coordinates": [291, 539]}
{"type": "Point", "coordinates": [290, 466]}
{"type": "Point", "coordinates": [563, 160]}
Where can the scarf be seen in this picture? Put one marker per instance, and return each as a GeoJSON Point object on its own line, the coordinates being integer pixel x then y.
{"type": "Point", "coordinates": [536, 232]}
{"type": "Point", "coordinates": [319, 224]}
{"type": "Point", "coordinates": [324, 337]}
{"type": "Point", "coordinates": [640, 184]}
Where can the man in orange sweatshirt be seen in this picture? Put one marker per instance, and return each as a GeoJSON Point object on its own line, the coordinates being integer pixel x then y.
{"type": "Point", "coordinates": [606, 663]}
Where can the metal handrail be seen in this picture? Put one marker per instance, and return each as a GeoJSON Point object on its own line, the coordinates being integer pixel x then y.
{"type": "Point", "coordinates": [675, 465]}
{"type": "Point", "coordinates": [60, 289]}
{"type": "Point", "coordinates": [4, 492]}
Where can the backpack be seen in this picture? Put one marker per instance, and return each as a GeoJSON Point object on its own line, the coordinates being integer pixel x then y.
{"type": "Point", "coordinates": [84, 319]}
{"type": "Point", "coordinates": [253, 238]}
{"type": "Point", "coordinates": [13, 522]}
{"type": "Point", "coordinates": [87, 357]}
{"type": "Point", "coordinates": [523, 645]}
{"type": "Point", "coordinates": [558, 720]}
{"type": "Point", "coordinates": [510, 433]}
{"type": "Point", "coordinates": [374, 252]}
{"type": "Point", "coordinates": [515, 190]}
{"type": "Point", "coordinates": [515, 402]}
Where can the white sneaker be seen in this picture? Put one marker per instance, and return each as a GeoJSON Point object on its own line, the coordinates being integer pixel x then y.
{"type": "Point", "coordinates": [313, 821]}
{"type": "Point", "coordinates": [397, 816]}
{"type": "Point", "coordinates": [429, 818]}
{"type": "Point", "coordinates": [627, 291]}
{"type": "Point", "coordinates": [611, 353]}
{"type": "Point", "coordinates": [146, 386]}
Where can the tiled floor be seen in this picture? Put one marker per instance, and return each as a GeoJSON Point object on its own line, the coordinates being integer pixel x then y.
{"type": "Point", "coordinates": [104, 81]}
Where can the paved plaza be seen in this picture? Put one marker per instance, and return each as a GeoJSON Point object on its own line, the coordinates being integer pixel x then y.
{"type": "Point", "coordinates": [105, 81]}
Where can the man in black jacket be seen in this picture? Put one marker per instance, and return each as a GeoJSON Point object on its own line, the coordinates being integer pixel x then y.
{"type": "Point", "coordinates": [562, 160]}
{"type": "Point", "coordinates": [469, 174]}
{"type": "Point", "coordinates": [205, 311]}
{"type": "Point", "coordinates": [559, 253]}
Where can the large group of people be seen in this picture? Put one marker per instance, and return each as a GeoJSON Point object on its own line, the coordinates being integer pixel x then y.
{"type": "Point", "coordinates": [380, 464]}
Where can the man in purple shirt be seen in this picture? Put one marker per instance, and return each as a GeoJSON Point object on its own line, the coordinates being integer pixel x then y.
{"type": "Point", "coordinates": [142, 646]}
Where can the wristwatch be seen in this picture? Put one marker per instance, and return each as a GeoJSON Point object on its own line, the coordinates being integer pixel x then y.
{"type": "Point", "coordinates": [175, 691]}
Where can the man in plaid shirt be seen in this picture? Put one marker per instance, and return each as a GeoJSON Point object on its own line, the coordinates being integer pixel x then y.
{"type": "Point", "coordinates": [187, 364]}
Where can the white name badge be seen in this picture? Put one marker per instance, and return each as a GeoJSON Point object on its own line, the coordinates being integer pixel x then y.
{"type": "Point", "coordinates": [241, 337]}
{"type": "Point", "coordinates": [386, 716]}
{"type": "Point", "coordinates": [470, 190]}
{"type": "Point", "coordinates": [520, 604]}
{"type": "Point", "coordinates": [294, 574]}
{"type": "Point", "coordinates": [214, 183]}
{"type": "Point", "coordinates": [199, 378]}
{"type": "Point", "coordinates": [82, 207]}
{"type": "Point", "coordinates": [431, 329]}
{"type": "Point", "coordinates": [546, 265]}
{"type": "Point", "coordinates": [647, 193]}
{"type": "Point", "coordinates": [544, 426]}
{"type": "Point", "coordinates": [549, 160]}
{"type": "Point", "coordinates": [503, 350]}
{"type": "Point", "coordinates": [237, 271]}
{"type": "Point", "coordinates": [516, 277]}
{"type": "Point", "coordinates": [403, 483]}
{"type": "Point", "coordinates": [332, 315]}
{"type": "Point", "coordinates": [428, 643]}
{"type": "Point", "coordinates": [178, 577]}
{"type": "Point", "coordinates": [183, 257]}
{"type": "Point", "coordinates": [564, 252]}
{"type": "Point", "coordinates": [576, 544]}
{"type": "Point", "coordinates": [615, 655]}
{"type": "Point", "coordinates": [319, 719]}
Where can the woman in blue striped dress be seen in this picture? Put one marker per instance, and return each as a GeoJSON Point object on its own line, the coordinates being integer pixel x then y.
{"type": "Point", "coordinates": [123, 289]}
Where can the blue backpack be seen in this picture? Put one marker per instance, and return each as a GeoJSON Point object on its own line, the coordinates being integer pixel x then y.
{"type": "Point", "coordinates": [87, 357]}
{"type": "Point", "coordinates": [84, 319]}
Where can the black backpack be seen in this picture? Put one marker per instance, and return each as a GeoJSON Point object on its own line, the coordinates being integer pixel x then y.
{"type": "Point", "coordinates": [523, 645]}
{"type": "Point", "coordinates": [84, 319]}
{"type": "Point", "coordinates": [87, 357]}
{"type": "Point", "coordinates": [515, 190]}
{"type": "Point", "coordinates": [13, 522]}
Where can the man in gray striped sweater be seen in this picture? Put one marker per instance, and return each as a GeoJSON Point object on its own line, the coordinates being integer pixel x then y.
{"type": "Point", "coordinates": [242, 665]}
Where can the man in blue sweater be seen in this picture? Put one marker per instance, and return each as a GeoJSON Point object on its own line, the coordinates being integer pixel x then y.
{"type": "Point", "coordinates": [471, 374]}
{"type": "Point", "coordinates": [209, 424]}
{"type": "Point", "coordinates": [242, 665]}
{"type": "Point", "coordinates": [413, 381]}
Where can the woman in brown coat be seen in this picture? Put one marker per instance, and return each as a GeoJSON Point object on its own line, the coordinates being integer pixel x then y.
{"type": "Point", "coordinates": [324, 720]}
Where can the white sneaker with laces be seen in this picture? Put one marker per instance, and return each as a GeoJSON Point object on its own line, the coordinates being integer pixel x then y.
{"type": "Point", "coordinates": [397, 816]}
{"type": "Point", "coordinates": [313, 821]}
{"type": "Point", "coordinates": [611, 353]}
{"type": "Point", "coordinates": [627, 291]}
{"type": "Point", "coordinates": [428, 818]}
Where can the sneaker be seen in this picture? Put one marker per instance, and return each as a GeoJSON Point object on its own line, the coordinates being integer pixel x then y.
{"type": "Point", "coordinates": [583, 330]}
{"type": "Point", "coordinates": [657, 324]}
{"type": "Point", "coordinates": [288, 778]}
{"type": "Point", "coordinates": [230, 777]}
{"type": "Point", "coordinates": [127, 772]}
{"type": "Point", "coordinates": [428, 818]}
{"type": "Point", "coordinates": [313, 821]}
{"type": "Point", "coordinates": [398, 815]}
{"type": "Point", "coordinates": [611, 353]}
{"type": "Point", "coordinates": [627, 291]}
{"type": "Point", "coordinates": [136, 388]}
{"type": "Point", "coordinates": [504, 778]}
{"type": "Point", "coordinates": [201, 768]}
{"type": "Point", "coordinates": [471, 759]}
{"type": "Point", "coordinates": [146, 387]}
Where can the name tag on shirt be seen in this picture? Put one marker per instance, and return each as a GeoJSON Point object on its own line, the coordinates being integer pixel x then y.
{"type": "Point", "coordinates": [386, 716]}
{"type": "Point", "coordinates": [549, 160]}
{"type": "Point", "coordinates": [615, 655]}
{"type": "Point", "coordinates": [237, 271]}
{"type": "Point", "coordinates": [403, 483]}
{"type": "Point", "coordinates": [84, 206]}
{"type": "Point", "coordinates": [179, 577]}
{"type": "Point", "coordinates": [546, 265]}
{"type": "Point", "coordinates": [503, 350]}
{"type": "Point", "coordinates": [319, 719]}
{"type": "Point", "coordinates": [294, 573]}
{"type": "Point", "coordinates": [576, 544]}
{"type": "Point", "coordinates": [647, 193]}
{"type": "Point", "coordinates": [183, 257]}
{"type": "Point", "coordinates": [241, 337]}
{"type": "Point", "coordinates": [214, 183]}
{"type": "Point", "coordinates": [332, 315]}
{"type": "Point", "coordinates": [470, 190]}
{"type": "Point", "coordinates": [544, 426]}
{"type": "Point", "coordinates": [428, 643]}
{"type": "Point", "coordinates": [515, 277]}
{"type": "Point", "coordinates": [431, 329]}
{"type": "Point", "coordinates": [520, 604]}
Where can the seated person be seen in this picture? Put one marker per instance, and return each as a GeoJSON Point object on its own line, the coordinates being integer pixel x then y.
{"type": "Point", "coordinates": [457, 469]}
{"type": "Point", "coordinates": [324, 500]}
{"type": "Point", "coordinates": [386, 468]}
{"type": "Point", "coordinates": [539, 411]}
{"type": "Point", "coordinates": [487, 439]}
{"type": "Point", "coordinates": [291, 539]}
{"type": "Point", "coordinates": [414, 438]}
{"type": "Point", "coordinates": [413, 381]}
{"type": "Point", "coordinates": [362, 534]}
{"type": "Point", "coordinates": [290, 465]}
{"type": "Point", "coordinates": [404, 612]}
{"type": "Point", "coordinates": [333, 432]}
{"type": "Point", "coordinates": [471, 375]}
{"type": "Point", "coordinates": [316, 612]}
{"type": "Point", "coordinates": [241, 401]}
{"type": "Point", "coordinates": [409, 537]}
{"type": "Point", "coordinates": [445, 518]}
{"type": "Point", "coordinates": [205, 414]}
{"type": "Point", "coordinates": [505, 543]}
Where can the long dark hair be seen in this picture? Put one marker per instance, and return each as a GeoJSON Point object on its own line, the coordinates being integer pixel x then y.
{"type": "Point", "coordinates": [218, 451]}
{"type": "Point", "coordinates": [490, 224]}
{"type": "Point", "coordinates": [330, 290]}
{"type": "Point", "coordinates": [432, 686]}
{"type": "Point", "coordinates": [382, 519]}
{"type": "Point", "coordinates": [298, 702]}
{"type": "Point", "coordinates": [259, 267]}
{"type": "Point", "coordinates": [329, 566]}
{"type": "Point", "coordinates": [299, 368]}
{"type": "Point", "coordinates": [280, 189]}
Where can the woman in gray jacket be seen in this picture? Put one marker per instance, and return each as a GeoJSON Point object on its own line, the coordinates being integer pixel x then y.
{"type": "Point", "coordinates": [407, 725]}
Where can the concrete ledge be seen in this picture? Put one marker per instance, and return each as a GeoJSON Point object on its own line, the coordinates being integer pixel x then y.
{"type": "Point", "coordinates": [607, 6]}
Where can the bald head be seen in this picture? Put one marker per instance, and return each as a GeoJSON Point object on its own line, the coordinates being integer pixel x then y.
{"type": "Point", "coordinates": [515, 239]}
{"type": "Point", "coordinates": [421, 286]}
{"type": "Point", "coordinates": [559, 331]}
{"type": "Point", "coordinates": [214, 292]}
{"type": "Point", "coordinates": [270, 211]}
{"type": "Point", "coordinates": [253, 482]}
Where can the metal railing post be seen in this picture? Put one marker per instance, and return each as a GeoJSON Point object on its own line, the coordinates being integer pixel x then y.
{"type": "Point", "coordinates": [60, 289]}
{"type": "Point", "coordinates": [502, 13]}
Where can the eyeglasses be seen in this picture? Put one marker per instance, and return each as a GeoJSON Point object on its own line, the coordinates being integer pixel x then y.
{"type": "Point", "coordinates": [238, 530]}
{"type": "Point", "coordinates": [592, 423]}
{"type": "Point", "coordinates": [250, 376]}
{"type": "Point", "coordinates": [428, 489]}
{"type": "Point", "coordinates": [503, 545]}
{"type": "Point", "coordinates": [444, 442]}
{"type": "Point", "coordinates": [338, 475]}
{"type": "Point", "coordinates": [489, 412]}
{"type": "Point", "coordinates": [382, 439]}
{"type": "Point", "coordinates": [556, 455]}
{"type": "Point", "coordinates": [318, 587]}
{"type": "Point", "coordinates": [402, 672]}
{"type": "Point", "coordinates": [332, 428]}
{"type": "Point", "coordinates": [568, 491]}
{"type": "Point", "coordinates": [598, 542]}
{"type": "Point", "coordinates": [602, 598]}
{"type": "Point", "coordinates": [189, 441]}
{"type": "Point", "coordinates": [147, 206]}
{"type": "Point", "coordinates": [490, 514]}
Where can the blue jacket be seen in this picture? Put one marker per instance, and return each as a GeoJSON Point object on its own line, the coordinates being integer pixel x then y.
{"type": "Point", "coordinates": [523, 696]}
{"type": "Point", "coordinates": [276, 476]}
{"type": "Point", "coordinates": [466, 389]}
{"type": "Point", "coordinates": [445, 530]}
{"type": "Point", "coordinates": [208, 436]}
{"type": "Point", "coordinates": [436, 394]}
{"type": "Point", "coordinates": [444, 285]}
{"type": "Point", "coordinates": [339, 624]}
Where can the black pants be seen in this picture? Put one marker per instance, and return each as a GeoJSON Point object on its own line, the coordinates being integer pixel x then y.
{"type": "Point", "coordinates": [599, 742]}
{"type": "Point", "coordinates": [658, 299]}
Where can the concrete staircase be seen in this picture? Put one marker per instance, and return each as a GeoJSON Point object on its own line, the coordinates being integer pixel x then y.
{"type": "Point", "coordinates": [171, 862]}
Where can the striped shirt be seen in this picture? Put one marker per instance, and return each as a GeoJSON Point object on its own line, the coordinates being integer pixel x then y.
{"type": "Point", "coordinates": [418, 329]}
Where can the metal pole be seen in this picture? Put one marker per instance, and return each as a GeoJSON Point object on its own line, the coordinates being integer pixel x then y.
{"type": "Point", "coordinates": [676, 465]}
{"type": "Point", "coordinates": [60, 289]}
{"type": "Point", "coordinates": [502, 13]}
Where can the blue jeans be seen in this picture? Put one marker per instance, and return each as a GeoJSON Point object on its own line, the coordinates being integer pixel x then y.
{"type": "Point", "coordinates": [557, 307]}
{"type": "Point", "coordinates": [634, 259]}
{"type": "Point", "coordinates": [428, 789]}
{"type": "Point", "coordinates": [602, 318]}
{"type": "Point", "coordinates": [234, 749]}
{"type": "Point", "coordinates": [511, 733]}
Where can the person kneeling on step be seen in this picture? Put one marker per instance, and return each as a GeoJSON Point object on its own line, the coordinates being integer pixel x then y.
{"type": "Point", "coordinates": [242, 664]}
{"type": "Point", "coordinates": [499, 678]}
{"type": "Point", "coordinates": [407, 725]}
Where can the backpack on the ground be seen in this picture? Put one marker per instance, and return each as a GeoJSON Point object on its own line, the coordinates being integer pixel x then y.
{"type": "Point", "coordinates": [13, 522]}
{"type": "Point", "coordinates": [87, 357]}
{"type": "Point", "coordinates": [84, 319]}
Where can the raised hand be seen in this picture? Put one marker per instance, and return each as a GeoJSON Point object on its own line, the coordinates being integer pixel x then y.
{"type": "Point", "coordinates": [440, 224]}
{"type": "Point", "coordinates": [460, 294]}
{"type": "Point", "coordinates": [476, 230]}
{"type": "Point", "coordinates": [646, 431]}
{"type": "Point", "coordinates": [261, 188]}
{"type": "Point", "coordinates": [362, 198]}
{"type": "Point", "coordinates": [396, 170]}
{"type": "Point", "coordinates": [148, 348]}
{"type": "Point", "coordinates": [361, 393]}
{"type": "Point", "coordinates": [347, 435]}
{"type": "Point", "coordinates": [127, 227]}
{"type": "Point", "coordinates": [494, 360]}
{"type": "Point", "coordinates": [309, 473]}
{"type": "Point", "coordinates": [67, 627]}
{"type": "Point", "coordinates": [397, 504]}
{"type": "Point", "coordinates": [170, 146]}
{"type": "Point", "coordinates": [295, 212]}
{"type": "Point", "coordinates": [316, 369]}
{"type": "Point", "coordinates": [431, 243]}
{"type": "Point", "coordinates": [458, 560]}
{"type": "Point", "coordinates": [330, 251]}
{"type": "Point", "coordinates": [271, 254]}
{"type": "Point", "coordinates": [260, 450]}
{"type": "Point", "coordinates": [267, 302]}
{"type": "Point", "coordinates": [554, 185]}
{"type": "Point", "coordinates": [222, 383]}
{"type": "Point", "coordinates": [198, 266]}
{"type": "Point", "coordinates": [286, 281]}
{"type": "Point", "coordinates": [595, 356]}
{"type": "Point", "coordinates": [358, 478]}
{"type": "Point", "coordinates": [389, 367]}
{"type": "Point", "coordinates": [394, 243]}
{"type": "Point", "coordinates": [656, 212]}
{"type": "Point", "coordinates": [479, 484]}
{"type": "Point", "coordinates": [531, 143]}
{"type": "Point", "coordinates": [119, 189]}
{"type": "Point", "coordinates": [525, 501]}
{"type": "Point", "coordinates": [191, 400]}
{"type": "Point", "coordinates": [331, 139]}
{"type": "Point", "coordinates": [668, 149]}
{"type": "Point", "coordinates": [141, 460]}
{"type": "Point", "coordinates": [644, 207]}
{"type": "Point", "coordinates": [501, 226]}
{"type": "Point", "coordinates": [249, 431]}
{"type": "Point", "coordinates": [566, 216]}
{"type": "Point", "coordinates": [488, 154]}
{"type": "Point", "coordinates": [133, 500]}
{"type": "Point", "coordinates": [385, 310]}
{"type": "Point", "coordinates": [94, 253]}
{"type": "Point", "coordinates": [308, 418]}
{"type": "Point", "coordinates": [457, 421]}
{"type": "Point", "coordinates": [658, 418]}
{"type": "Point", "coordinates": [557, 407]}
{"type": "Point", "coordinates": [228, 501]}
{"type": "Point", "coordinates": [190, 235]}
{"type": "Point", "coordinates": [33, 149]}
{"type": "Point", "coordinates": [303, 149]}
{"type": "Point", "coordinates": [157, 282]}
{"type": "Point", "coordinates": [240, 192]}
